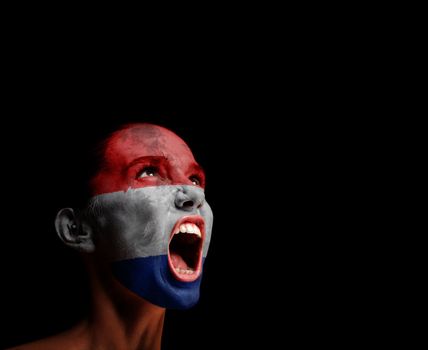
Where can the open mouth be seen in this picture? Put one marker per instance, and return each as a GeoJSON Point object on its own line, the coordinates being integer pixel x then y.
{"type": "Point", "coordinates": [185, 248]}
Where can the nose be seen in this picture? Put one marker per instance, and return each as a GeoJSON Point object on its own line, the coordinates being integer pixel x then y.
{"type": "Point", "coordinates": [189, 198]}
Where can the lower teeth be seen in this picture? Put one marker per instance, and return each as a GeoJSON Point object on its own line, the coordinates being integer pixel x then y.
{"type": "Point", "coordinates": [188, 272]}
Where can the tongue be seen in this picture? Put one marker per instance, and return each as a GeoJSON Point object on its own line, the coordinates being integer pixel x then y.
{"type": "Point", "coordinates": [177, 261]}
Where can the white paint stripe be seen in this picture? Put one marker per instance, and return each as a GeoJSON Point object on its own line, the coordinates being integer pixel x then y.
{"type": "Point", "coordinates": [138, 222]}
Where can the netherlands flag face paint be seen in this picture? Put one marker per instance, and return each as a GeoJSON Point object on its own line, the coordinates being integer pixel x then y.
{"type": "Point", "coordinates": [152, 221]}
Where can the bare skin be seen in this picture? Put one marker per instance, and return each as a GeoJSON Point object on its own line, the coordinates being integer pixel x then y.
{"type": "Point", "coordinates": [119, 320]}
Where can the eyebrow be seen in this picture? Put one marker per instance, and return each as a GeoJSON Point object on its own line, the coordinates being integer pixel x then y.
{"type": "Point", "coordinates": [151, 159]}
{"type": "Point", "coordinates": [197, 169]}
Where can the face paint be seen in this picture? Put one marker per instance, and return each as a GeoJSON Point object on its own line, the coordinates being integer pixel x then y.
{"type": "Point", "coordinates": [152, 221]}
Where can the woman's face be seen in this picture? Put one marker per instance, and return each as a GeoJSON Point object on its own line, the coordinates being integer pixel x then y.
{"type": "Point", "coordinates": [152, 222]}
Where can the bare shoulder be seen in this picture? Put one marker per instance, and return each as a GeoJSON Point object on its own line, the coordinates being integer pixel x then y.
{"type": "Point", "coordinates": [46, 344]}
{"type": "Point", "coordinates": [74, 339]}
{"type": "Point", "coordinates": [52, 343]}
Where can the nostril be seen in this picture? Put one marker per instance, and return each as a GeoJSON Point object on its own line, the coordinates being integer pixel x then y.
{"type": "Point", "coordinates": [188, 204]}
{"type": "Point", "coordinates": [189, 199]}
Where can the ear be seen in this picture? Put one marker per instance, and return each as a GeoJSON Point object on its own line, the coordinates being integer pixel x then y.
{"type": "Point", "coordinates": [73, 232]}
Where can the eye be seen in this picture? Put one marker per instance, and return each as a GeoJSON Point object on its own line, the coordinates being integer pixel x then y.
{"type": "Point", "coordinates": [147, 171]}
{"type": "Point", "coordinates": [195, 180]}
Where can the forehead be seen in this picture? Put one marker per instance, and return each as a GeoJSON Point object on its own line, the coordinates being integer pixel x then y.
{"type": "Point", "coordinates": [141, 140]}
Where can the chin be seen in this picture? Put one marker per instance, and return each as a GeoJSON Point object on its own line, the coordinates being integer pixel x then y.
{"type": "Point", "coordinates": [151, 279]}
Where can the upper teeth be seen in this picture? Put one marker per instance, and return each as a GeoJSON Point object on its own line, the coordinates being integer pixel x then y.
{"type": "Point", "coordinates": [188, 228]}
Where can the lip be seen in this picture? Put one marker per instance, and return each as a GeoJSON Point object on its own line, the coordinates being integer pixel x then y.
{"type": "Point", "coordinates": [198, 221]}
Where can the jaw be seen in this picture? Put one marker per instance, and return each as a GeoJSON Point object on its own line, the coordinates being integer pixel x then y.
{"type": "Point", "coordinates": [185, 248]}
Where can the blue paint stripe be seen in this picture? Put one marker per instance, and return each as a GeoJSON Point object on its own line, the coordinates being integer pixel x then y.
{"type": "Point", "coordinates": [150, 278]}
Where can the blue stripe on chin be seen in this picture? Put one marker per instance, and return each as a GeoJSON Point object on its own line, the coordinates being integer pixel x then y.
{"type": "Point", "coordinates": [151, 279]}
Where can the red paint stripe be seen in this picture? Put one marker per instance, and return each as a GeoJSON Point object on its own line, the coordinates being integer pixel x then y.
{"type": "Point", "coordinates": [145, 149]}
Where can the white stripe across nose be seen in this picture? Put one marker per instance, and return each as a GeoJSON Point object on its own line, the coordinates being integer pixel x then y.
{"type": "Point", "coordinates": [139, 222]}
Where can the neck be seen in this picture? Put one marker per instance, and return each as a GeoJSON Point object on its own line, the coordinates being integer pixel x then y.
{"type": "Point", "coordinates": [120, 319]}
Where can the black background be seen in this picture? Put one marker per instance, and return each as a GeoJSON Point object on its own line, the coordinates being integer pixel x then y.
{"type": "Point", "coordinates": [276, 173]}
{"type": "Point", "coordinates": [295, 123]}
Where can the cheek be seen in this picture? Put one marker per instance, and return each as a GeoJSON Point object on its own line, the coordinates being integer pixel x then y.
{"type": "Point", "coordinates": [207, 214]}
{"type": "Point", "coordinates": [116, 229]}
{"type": "Point", "coordinates": [131, 223]}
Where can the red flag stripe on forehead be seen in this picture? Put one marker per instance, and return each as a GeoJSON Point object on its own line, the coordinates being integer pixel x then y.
{"type": "Point", "coordinates": [144, 155]}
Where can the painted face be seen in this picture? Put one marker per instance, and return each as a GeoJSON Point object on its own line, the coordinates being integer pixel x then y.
{"type": "Point", "coordinates": [152, 221]}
